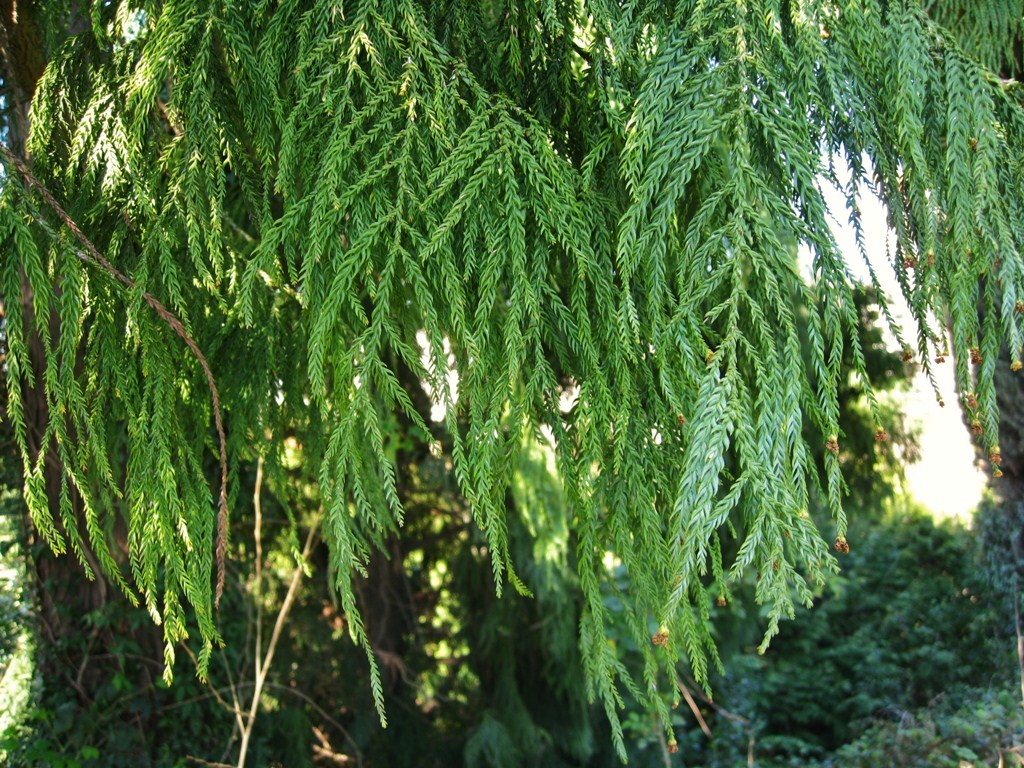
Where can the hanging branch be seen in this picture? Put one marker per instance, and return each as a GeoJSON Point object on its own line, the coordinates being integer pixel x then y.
{"type": "Point", "coordinates": [93, 254]}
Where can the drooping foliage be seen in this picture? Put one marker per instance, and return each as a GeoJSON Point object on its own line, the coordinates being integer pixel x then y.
{"type": "Point", "coordinates": [581, 217]}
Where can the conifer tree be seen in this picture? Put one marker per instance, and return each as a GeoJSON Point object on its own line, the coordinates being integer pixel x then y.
{"type": "Point", "coordinates": [228, 228]}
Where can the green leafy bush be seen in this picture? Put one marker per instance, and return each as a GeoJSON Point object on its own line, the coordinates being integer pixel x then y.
{"type": "Point", "coordinates": [913, 620]}
{"type": "Point", "coordinates": [988, 731]}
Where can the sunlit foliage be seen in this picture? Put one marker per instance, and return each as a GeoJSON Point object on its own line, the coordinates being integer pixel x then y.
{"type": "Point", "coordinates": [590, 213]}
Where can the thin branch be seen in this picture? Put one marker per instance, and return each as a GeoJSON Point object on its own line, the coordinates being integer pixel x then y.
{"type": "Point", "coordinates": [175, 324]}
{"type": "Point", "coordinates": [666, 753]}
{"type": "Point", "coordinates": [258, 544]}
{"type": "Point", "coordinates": [326, 751]}
{"type": "Point", "coordinates": [718, 708]}
{"type": "Point", "coordinates": [162, 105]}
{"type": "Point", "coordinates": [275, 636]}
{"type": "Point", "coordinates": [236, 709]}
{"type": "Point", "coordinates": [695, 709]}
{"type": "Point", "coordinates": [583, 53]}
{"type": "Point", "coordinates": [200, 761]}
{"type": "Point", "coordinates": [215, 692]}
{"type": "Point", "coordinates": [323, 713]}
{"type": "Point", "coordinates": [1020, 634]}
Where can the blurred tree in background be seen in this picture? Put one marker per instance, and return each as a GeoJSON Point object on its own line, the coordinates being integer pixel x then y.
{"type": "Point", "coordinates": [439, 299]}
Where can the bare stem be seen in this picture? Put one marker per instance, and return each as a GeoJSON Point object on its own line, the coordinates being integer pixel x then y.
{"type": "Point", "coordinates": [282, 614]}
{"type": "Point", "coordinates": [258, 580]}
{"type": "Point", "coordinates": [694, 708]}
{"type": "Point", "coordinates": [1020, 635]}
